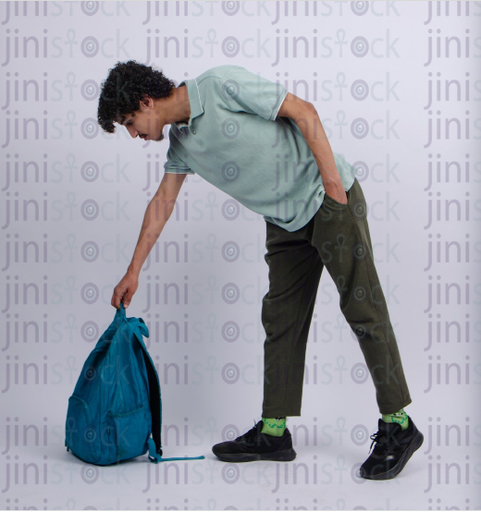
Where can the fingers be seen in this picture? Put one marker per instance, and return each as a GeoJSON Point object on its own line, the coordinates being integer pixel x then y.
{"type": "Point", "coordinates": [117, 298]}
{"type": "Point", "coordinates": [122, 295]}
{"type": "Point", "coordinates": [126, 299]}
{"type": "Point", "coordinates": [129, 293]}
{"type": "Point", "coordinates": [115, 301]}
{"type": "Point", "coordinates": [124, 292]}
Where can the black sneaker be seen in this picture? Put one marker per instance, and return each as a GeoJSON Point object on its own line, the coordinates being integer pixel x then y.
{"type": "Point", "coordinates": [254, 445]}
{"type": "Point", "coordinates": [394, 447]}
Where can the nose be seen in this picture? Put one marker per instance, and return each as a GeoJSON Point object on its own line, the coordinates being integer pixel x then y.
{"type": "Point", "coordinates": [133, 132]}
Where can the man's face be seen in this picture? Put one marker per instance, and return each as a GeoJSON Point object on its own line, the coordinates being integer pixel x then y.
{"type": "Point", "coordinates": [144, 123]}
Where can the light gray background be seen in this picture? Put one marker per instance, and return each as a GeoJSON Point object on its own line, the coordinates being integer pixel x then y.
{"type": "Point", "coordinates": [218, 390]}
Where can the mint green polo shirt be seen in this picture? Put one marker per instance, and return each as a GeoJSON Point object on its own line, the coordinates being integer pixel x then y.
{"type": "Point", "coordinates": [236, 142]}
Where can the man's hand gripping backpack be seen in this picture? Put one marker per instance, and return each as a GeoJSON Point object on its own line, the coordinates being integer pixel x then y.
{"type": "Point", "coordinates": [116, 404]}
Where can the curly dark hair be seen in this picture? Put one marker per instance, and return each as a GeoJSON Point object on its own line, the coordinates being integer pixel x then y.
{"type": "Point", "coordinates": [126, 85]}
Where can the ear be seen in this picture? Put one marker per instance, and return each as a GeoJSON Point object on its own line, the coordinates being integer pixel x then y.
{"type": "Point", "coordinates": [146, 104]}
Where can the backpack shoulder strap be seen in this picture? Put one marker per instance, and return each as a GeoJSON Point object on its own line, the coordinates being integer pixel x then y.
{"type": "Point", "coordinates": [155, 443]}
{"type": "Point", "coordinates": [155, 401]}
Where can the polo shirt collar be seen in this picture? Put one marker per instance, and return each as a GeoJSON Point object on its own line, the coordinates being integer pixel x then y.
{"type": "Point", "coordinates": [196, 108]}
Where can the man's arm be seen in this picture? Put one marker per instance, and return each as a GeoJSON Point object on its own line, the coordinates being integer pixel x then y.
{"type": "Point", "coordinates": [156, 216]}
{"type": "Point", "coordinates": [305, 115]}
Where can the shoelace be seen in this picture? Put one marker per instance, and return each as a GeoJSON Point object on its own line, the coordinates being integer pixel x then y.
{"type": "Point", "coordinates": [376, 438]}
{"type": "Point", "coordinates": [382, 441]}
{"type": "Point", "coordinates": [250, 435]}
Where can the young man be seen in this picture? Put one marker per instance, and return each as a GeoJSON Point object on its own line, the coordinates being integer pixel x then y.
{"type": "Point", "coordinates": [267, 149]}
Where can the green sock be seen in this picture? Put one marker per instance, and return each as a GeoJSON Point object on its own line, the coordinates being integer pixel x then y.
{"type": "Point", "coordinates": [397, 417]}
{"type": "Point", "coordinates": [274, 426]}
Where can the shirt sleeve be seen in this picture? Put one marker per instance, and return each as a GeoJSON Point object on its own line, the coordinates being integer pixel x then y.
{"type": "Point", "coordinates": [243, 91]}
{"type": "Point", "coordinates": [174, 163]}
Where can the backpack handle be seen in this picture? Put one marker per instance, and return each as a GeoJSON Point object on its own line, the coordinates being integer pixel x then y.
{"type": "Point", "coordinates": [121, 311]}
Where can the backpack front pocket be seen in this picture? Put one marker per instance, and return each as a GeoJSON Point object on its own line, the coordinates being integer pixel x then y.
{"type": "Point", "coordinates": [82, 436]}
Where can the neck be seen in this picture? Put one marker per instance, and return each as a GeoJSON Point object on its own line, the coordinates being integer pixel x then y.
{"type": "Point", "coordinates": [180, 106]}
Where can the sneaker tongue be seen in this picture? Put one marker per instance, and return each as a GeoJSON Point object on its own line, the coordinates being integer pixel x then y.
{"type": "Point", "coordinates": [387, 428]}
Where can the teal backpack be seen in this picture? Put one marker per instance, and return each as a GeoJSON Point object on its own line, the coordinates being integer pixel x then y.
{"type": "Point", "coordinates": [116, 405]}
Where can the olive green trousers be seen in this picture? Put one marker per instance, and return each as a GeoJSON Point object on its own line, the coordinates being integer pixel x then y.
{"type": "Point", "coordinates": [338, 238]}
